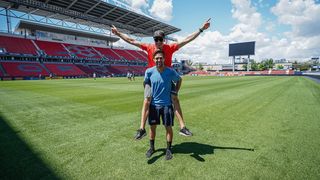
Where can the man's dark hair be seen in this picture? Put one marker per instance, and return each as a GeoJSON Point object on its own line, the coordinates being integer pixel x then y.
{"type": "Point", "coordinates": [158, 51]}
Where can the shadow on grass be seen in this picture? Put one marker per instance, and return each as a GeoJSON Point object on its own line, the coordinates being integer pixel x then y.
{"type": "Point", "coordinates": [195, 150]}
{"type": "Point", "coordinates": [18, 161]}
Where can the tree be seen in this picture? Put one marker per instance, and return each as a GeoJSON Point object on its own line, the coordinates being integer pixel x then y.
{"type": "Point", "coordinates": [269, 63]}
{"type": "Point", "coordinates": [254, 66]}
{"type": "Point", "coordinates": [295, 65]}
{"type": "Point", "coordinates": [200, 66]}
{"type": "Point", "coordinates": [305, 66]}
{"type": "Point", "coordinates": [280, 66]}
{"type": "Point", "coordinates": [262, 66]}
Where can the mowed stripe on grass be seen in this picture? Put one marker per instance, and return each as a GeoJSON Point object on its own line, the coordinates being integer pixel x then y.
{"type": "Point", "coordinates": [80, 129]}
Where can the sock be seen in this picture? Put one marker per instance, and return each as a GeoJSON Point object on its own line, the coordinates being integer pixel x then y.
{"type": "Point", "coordinates": [152, 144]}
{"type": "Point", "coordinates": [169, 145]}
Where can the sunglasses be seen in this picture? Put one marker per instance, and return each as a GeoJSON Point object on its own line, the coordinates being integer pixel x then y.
{"type": "Point", "coordinates": [160, 39]}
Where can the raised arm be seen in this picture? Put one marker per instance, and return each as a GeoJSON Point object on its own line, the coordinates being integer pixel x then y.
{"type": "Point", "coordinates": [194, 35]}
{"type": "Point", "coordinates": [125, 37]}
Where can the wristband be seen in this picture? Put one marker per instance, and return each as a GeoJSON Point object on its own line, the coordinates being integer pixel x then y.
{"type": "Point", "coordinates": [201, 30]}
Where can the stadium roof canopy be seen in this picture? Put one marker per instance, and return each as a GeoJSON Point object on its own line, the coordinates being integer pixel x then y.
{"type": "Point", "coordinates": [94, 13]}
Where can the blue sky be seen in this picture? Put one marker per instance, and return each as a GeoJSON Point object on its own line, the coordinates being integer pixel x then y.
{"type": "Point", "coordinates": [281, 28]}
{"type": "Point", "coordinates": [187, 14]}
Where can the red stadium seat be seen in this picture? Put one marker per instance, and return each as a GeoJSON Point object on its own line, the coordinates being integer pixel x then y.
{"type": "Point", "coordinates": [138, 70]}
{"type": "Point", "coordinates": [85, 69]}
{"type": "Point", "coordinates": [82, 51]}
{"type": "Point", "coordinates": [138, 55]}
{"type": "Point", "coordinates": [108, 53]}
{"type": "Point", "coordinates": [23, 69]}
{"type": "Point", "coordinates": [101, 70]}
{"type": "Point", "coordinates": [18, 45]}
{"type": "Point", "coordinates": [64, 69]}
{"type": "Point", "coordinates": [124, 54]}
{"type": "Point", "coordinates": [52, 48]}
{"type": "Point", "coordinates": [118, 69]}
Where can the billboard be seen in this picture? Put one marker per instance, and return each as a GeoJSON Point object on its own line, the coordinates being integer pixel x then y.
{"type": "Point", "coordinates": [241, 49]}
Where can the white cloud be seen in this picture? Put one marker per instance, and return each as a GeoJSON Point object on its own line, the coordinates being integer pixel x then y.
{"type": "Point", "coordinates": [303, 16]}
{"type": "Point", "coordinates": [300, 43]}
{"type": "Point", "coordinates": [213, 47]}
{"type": "Point", "coordinates": [138, 4]}
{"type": "Point", "coordinates": [162, 9]}
{"type": "Point", "coordinates": [304, 19]}
{"type": "Point", "coordinates": [249, 19]}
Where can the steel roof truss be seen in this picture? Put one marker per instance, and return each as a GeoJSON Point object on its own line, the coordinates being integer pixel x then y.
{"type": "Point", "coordinates": [122, 16]}
{"type": "Point", "coordinates": [73, 2]}
{"type": "Point", "coordinates": [108, 12]}
{"type": "Point", "coordinates": [92, 7]}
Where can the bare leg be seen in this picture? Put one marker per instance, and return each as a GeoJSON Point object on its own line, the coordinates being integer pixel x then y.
{"type": "Point", "coordinates": [177, 110]}
{"type": "Point", "coordinates": [153, 129]}
{"type": "Point", "coordinates": [169, 133]}
{"type": "Point", "coordinates": [152, 133]}
{"type": "Point", "coordinates": [141, 132]}
{"type": "Point", "coordinates": [169, 136]}
{"type": "Point", "coordinates": [145, 112]}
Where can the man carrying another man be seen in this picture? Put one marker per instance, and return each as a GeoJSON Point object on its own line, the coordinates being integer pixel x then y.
{"type": "Point", "coordinates": [160, 78]}
{"type": "Point", "coordinates": [168, 50]}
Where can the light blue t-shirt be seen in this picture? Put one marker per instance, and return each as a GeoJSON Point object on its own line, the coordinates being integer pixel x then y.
{"type": "Point", "coordinates": [161, 84]}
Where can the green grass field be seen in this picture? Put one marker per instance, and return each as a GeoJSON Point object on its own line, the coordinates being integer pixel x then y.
{"type": "Point", "coordinates": [84, 128]}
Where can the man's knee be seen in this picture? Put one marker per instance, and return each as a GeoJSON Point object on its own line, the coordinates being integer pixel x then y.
{"type": "Point", "coordinates": [153, 128]}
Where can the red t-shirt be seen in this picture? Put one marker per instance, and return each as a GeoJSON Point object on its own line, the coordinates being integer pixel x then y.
{"type": "Point", "coordinates": [168, 50]}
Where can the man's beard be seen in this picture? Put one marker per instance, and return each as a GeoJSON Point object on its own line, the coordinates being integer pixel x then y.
{"type": "Point", "coordinates": [159, 64]}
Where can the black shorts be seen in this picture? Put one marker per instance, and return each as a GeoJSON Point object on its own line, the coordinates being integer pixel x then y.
{"type": "Point", "coordinates": [165, 112]}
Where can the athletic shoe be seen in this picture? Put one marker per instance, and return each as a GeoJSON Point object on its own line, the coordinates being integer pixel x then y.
{"type": "Point", "coordinates": [140, 134]}
{"type": "Point", "coordinates": [168, 155]}
{"type": "Point", "coordinates": [185, 132]}
{"type": "Point", "coordinates": [149, 153]}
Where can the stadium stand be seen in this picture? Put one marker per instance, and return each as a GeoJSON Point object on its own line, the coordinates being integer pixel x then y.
{"type": "Point", "coordinates": [23, 69]}
{"type": "Point", "coordinates": [52, 48]}
{"type": "Point", "coordinates": [124, 54]}
{"type": "Point", "coordinates": [61, 42]}
{"type": "Point", "coordinates": [138, 70]}
{"type": "Point", "coordinates": [19, 46]}
{"type": "Point", "coordinates": [86, 69]}
{"type": "Point", "coordinates": [82, 61]}
{"type": "Point", "coordinates": [1, 71]}
{"type": "Point", "coordinates": [108, 53]}
{"type": "Point", "coordinates": [139, 55]}
{"type": "Point", "coordinates": [82, 51]}
{"type": "Point", "coordinates": [59, 69]}
{"type": "Point", "coordinates": [100, 70]}
{"type": "Point", "coordinates": [121, 70]}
